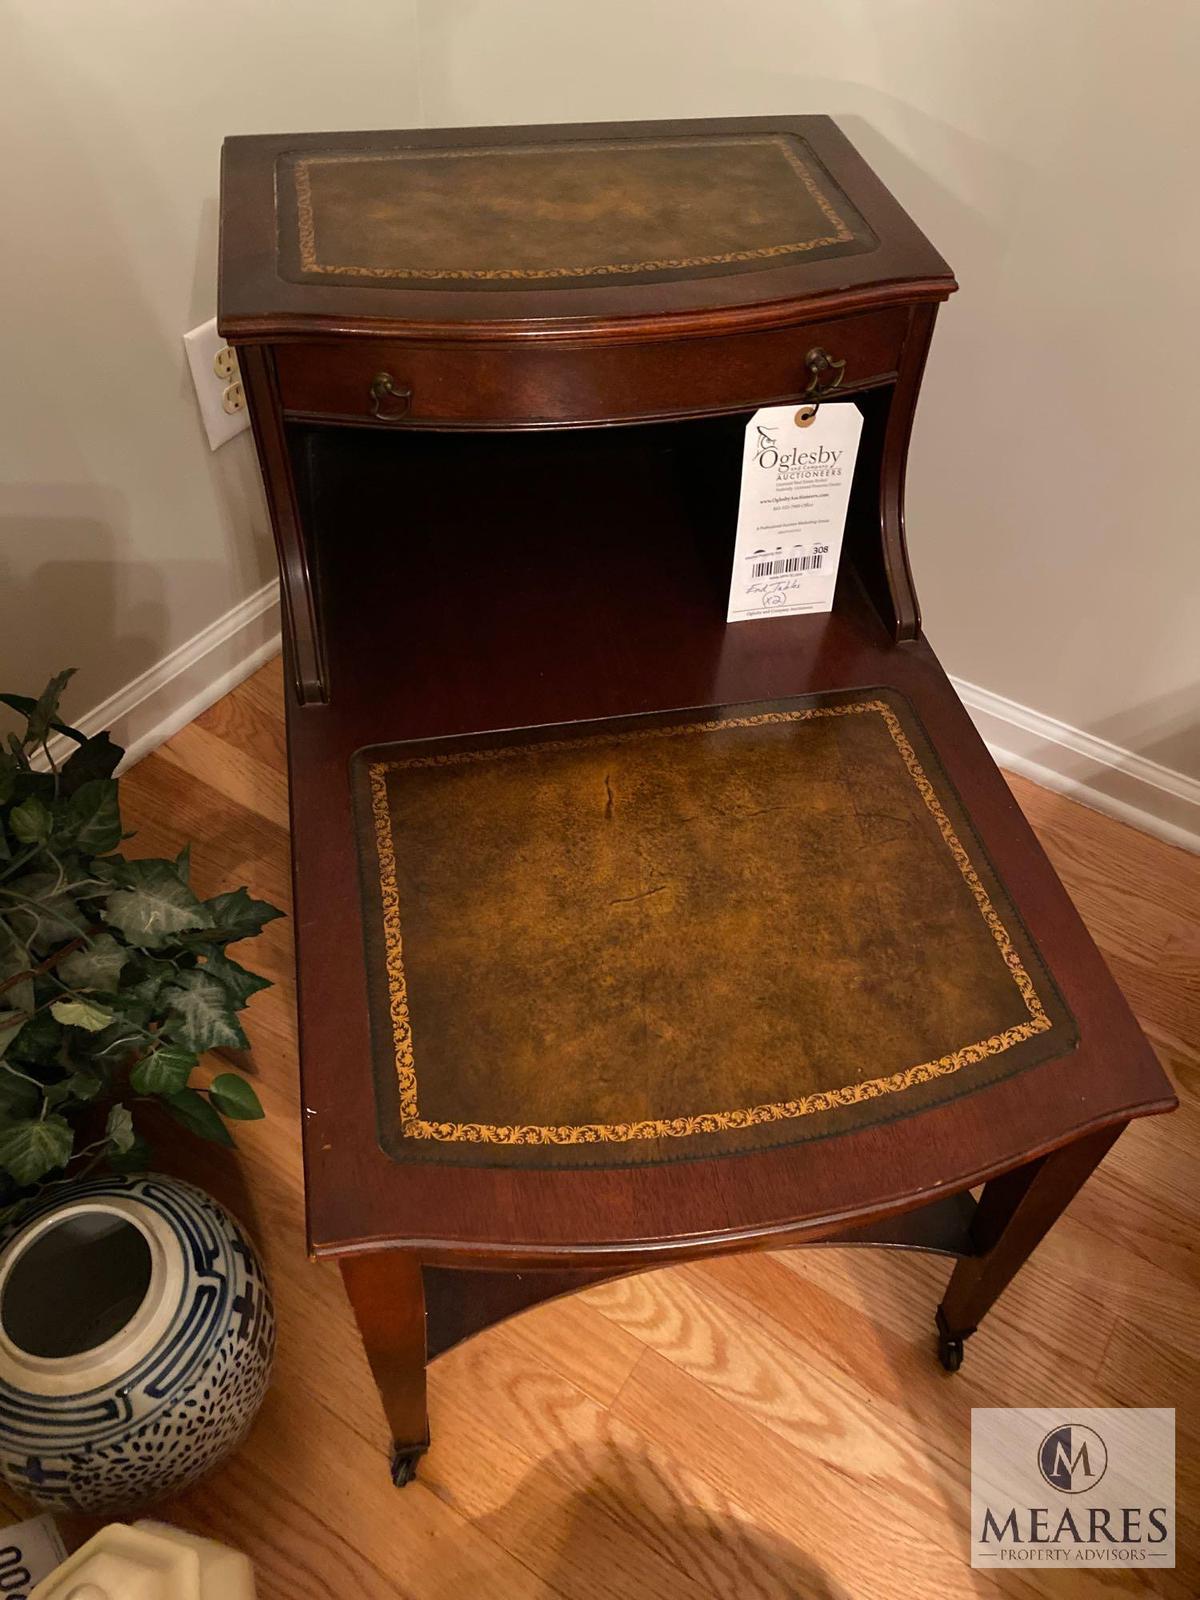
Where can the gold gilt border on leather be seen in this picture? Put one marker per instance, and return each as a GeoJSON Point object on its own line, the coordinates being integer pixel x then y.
{"type": "Point", "coordinates": [838, 232]}
{"type": "Point", "coordinates": [414, 1126]}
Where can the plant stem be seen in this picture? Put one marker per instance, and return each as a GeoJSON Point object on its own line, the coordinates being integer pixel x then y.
{"type": "Point", "coordinates": [52, 763]}
{"type": "Point", "coordinates": [17, 1073]}
{"type": "Point", "coordinates": [19, 861]}
{"type": "Point", "coordinates": [75, 1177]}
{"type": "Point", "coordinates": [50, 961]}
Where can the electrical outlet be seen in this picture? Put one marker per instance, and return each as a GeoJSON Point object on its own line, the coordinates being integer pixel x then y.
{"type": "Point", "coordinates": [218, 384]}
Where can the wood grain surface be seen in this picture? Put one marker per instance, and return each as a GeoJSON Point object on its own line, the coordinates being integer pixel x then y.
{"type": "Point", "coordinates": [750, 1426]}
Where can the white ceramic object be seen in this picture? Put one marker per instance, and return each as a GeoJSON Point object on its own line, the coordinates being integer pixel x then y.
{"type": "Point", "coordinates": [136, 1337]}
{"type": "Point", "coordinates": [149, 1561]}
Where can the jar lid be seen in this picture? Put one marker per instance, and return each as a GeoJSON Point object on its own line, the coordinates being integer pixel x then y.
{"type": "Point", "coordinates": [122, 1563]}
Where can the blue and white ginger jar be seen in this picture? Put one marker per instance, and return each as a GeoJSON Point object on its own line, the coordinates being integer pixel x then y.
{"type": "Point", "coordinates": [136, 1338]}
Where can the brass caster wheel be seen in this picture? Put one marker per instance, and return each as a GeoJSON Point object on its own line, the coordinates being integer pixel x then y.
{"type": "Point", "coordinates": [950, 1352]}
{"type": "Point", "coordinates": [404, 1465]}
{"type": "Point", "coordinates": [949, 1345]}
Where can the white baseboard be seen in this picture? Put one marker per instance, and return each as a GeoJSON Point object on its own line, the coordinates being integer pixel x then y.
{"type": "Point", "coordinates": [1152, 797]}
{"type": "Point", "coordinates": [1098, 774]}
{"type": "Point", "coordinates": [178, 688]}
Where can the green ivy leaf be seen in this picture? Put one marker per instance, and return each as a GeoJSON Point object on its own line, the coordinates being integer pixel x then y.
{"type": "Point", "coordinates": [8, 777]}
{"type": "Point", "coordinates": [11, 1023]}
{"type": "Point", "coordinates": [166, 1071]}
{"type": "Point", "coordinates": [234, 915]}
{"type": "Point", "coordinates": [200, 1015]}
{"type": "Point", "coordinates": [98, 757]}
{"type": "Point", "coordinates": [137, 1158]}
{"type": "Point", "coordinates": [34, 1146]}
{"type": "Point", "coordinates": [183, 862]}
{"type": "Point", "coordinates": [40, 713]}
{"type": "Point", "coordinates": [193, 1111]}
{"type": "Point", "coordinates": [144, 983]}
{"type": "Point", "coordinates": [14, 959]}
{"type": "Point", "coordinates": [234, 1097]}
{"type": "Point", "coordinates": [125, 1030]}
{"type": "Point", "coordinates": [119, 1129]}
{"type": "Point", "coordinates": [91, 818]}
{"type": "Point", "coordinates": [84, 1085]}
{"type": "Point", "coordinates": [31, 822]}
{"type": "Point", "coordinates": [18, 1097]}
{"type": "Point", "coordinates": [39, 1042]}
{"type": "Point", "coordinates": [43, 916]}
{"type": "Point", "coordinates": [96, 966]}
{"type": "Point", "coordinates": [81, 1014]}
{"type": "Point", "coordinates": [155, 906]}
{"type": "Point", "coordinates": [239, 984]}
{"type": "Point", "coordinates": [113, 870]}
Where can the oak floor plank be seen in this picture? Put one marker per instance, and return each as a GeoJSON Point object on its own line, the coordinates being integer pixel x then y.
{"type": "Point", "coordinates": [1139, 898]}
{"type": "Point", "coordinates": [788, 1382]}
{"type": "Point", "coordinates": [589, 1351]}
{"type": "Point", "coordinates": [532, 1471]}
{"type": "Point", "coordinates": [848, 1527]}
{"type": "Point", "coordinates": [224, 757]}
{"type": "Point", "coordinates": [753, 1426]}
{"type": "Point", "coordinates": [694, 1509]}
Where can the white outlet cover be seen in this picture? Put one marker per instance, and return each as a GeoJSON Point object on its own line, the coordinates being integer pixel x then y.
{"type": "Point", "coordinates": [203, 345]}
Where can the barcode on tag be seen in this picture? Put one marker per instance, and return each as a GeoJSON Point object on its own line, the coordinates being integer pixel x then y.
{"type": "Point", "coordinates": [782, 565]}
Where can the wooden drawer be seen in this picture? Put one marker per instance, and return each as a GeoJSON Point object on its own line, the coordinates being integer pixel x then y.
{"type": "Point", "coordinates": [525, 384]}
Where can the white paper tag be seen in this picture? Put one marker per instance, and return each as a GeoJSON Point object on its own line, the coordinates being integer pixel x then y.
{"type": "Point", "coordinates": [797, 469]}
{"type": "Point", "coordinates": [29, 1552]}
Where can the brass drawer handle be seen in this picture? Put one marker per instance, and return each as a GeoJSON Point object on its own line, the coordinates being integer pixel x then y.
{"type": "Point", "coordinates": [384, 388]}
{"type": "Point", "coordinates": [821, 364]}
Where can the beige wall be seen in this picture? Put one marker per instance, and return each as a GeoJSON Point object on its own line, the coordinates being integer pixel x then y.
{"type": "Point", "coordinates": [1046, 147]}
{"type": "Point", "coordinates": [121, 536]}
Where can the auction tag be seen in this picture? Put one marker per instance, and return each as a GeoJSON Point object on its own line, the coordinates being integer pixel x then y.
{"type": "Point", "coordinates": [29, 1552]}
{"type": "Point", "coordinates": [797, 468]}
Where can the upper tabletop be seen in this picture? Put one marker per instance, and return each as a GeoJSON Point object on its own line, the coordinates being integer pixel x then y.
{"type": "Point", "coordinates": [508, 231]}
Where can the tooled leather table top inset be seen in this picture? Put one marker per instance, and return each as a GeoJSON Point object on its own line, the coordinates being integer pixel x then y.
{"type": "Point", "coordinates": [683, 935]}
{"type": "Point", "coordinates": [555, 213]}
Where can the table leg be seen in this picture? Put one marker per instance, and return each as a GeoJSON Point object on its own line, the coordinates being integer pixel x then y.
{"type": "Point", "coordinates": [388, 1297]}
{"type": "Point", "coordinates": [1015, 1212]}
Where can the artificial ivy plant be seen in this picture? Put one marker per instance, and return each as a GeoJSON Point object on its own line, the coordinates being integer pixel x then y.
{"type": "Point", "coordinates": [114, 977]}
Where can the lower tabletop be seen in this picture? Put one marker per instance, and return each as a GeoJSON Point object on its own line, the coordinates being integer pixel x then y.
{"type": "Point", "coordinates": [683, 935]}
{"type": "Point", "coordinates": [588, 979]}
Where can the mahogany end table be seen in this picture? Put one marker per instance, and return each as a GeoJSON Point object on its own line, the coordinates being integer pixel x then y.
{"type": "Point", "coordinates": [626, 936]}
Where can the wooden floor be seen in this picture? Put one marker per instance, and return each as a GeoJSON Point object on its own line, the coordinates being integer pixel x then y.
{"type": "Point", "coordinates": [756, 1426]}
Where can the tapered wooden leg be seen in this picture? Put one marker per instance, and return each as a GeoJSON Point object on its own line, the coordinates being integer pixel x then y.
{"type": "Point", "coordinates": [1015, 1213]}
{"type": "Point", "coordinates": [388, 1296]}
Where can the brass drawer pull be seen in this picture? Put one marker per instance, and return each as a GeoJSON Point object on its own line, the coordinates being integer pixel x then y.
{"type": "Point", "coordinates": [821, 364]}
{"type": "Point", "coordinates": [384, 388]}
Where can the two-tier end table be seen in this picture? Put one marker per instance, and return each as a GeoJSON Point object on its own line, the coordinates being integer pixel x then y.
{"type": "Point", "coordinates": [625, 935]}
